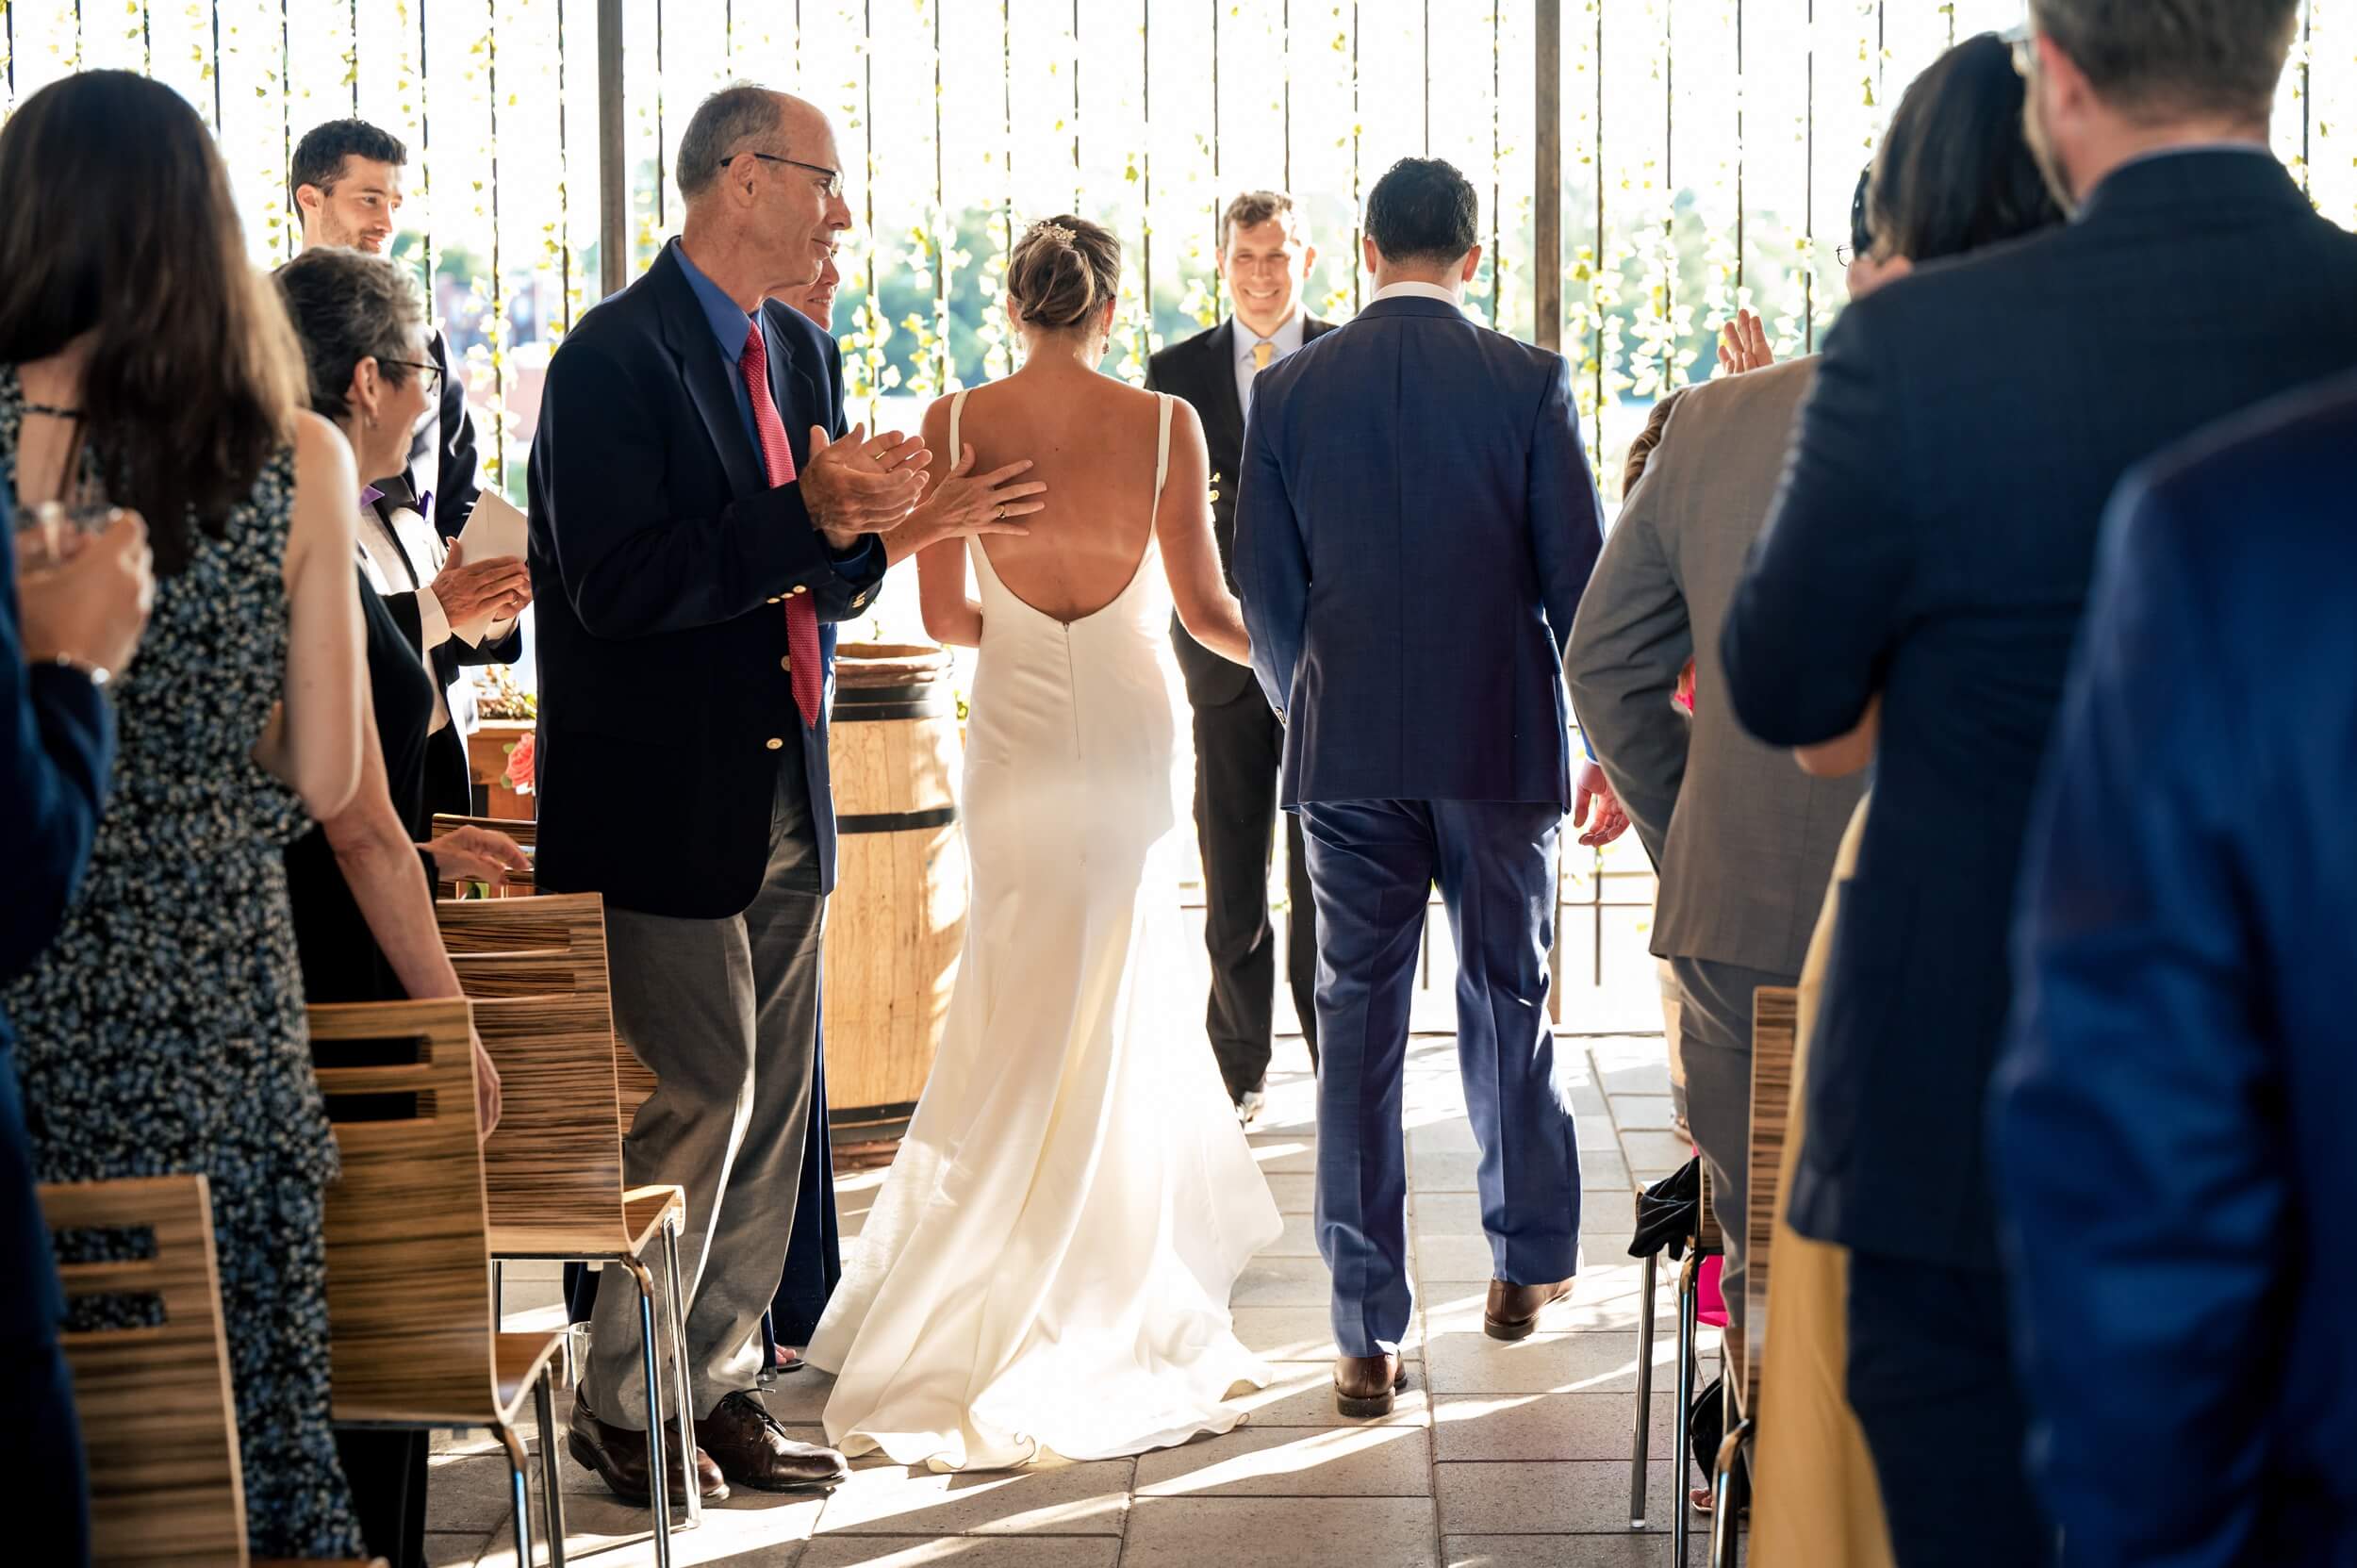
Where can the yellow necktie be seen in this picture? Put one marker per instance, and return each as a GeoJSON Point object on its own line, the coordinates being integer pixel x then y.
{"type": "Point", "coordinates": [1262, 351]}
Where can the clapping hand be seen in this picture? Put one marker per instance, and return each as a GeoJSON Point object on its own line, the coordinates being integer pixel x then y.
{"type": "Point", "coordinates": [1596, 808]}
{"type": "Point", "coordinates": [1743, 344]}
{"type": "Point", "coordinates": [967, 503]}
{"type": "Point", "coordinates": [857, 486]}
{"type": "Point", "coordinates": [468, 591]}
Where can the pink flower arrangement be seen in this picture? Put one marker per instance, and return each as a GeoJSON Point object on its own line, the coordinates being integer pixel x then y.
{"type": "Point", "coordinates": [519, 757]}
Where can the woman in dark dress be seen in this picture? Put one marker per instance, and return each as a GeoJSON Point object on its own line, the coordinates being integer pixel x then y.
{"type": "Point", "coordinates": [362, 880]}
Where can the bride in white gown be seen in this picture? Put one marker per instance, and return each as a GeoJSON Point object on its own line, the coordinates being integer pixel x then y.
{"type": "Point", "coordinates": [1048, 1266]}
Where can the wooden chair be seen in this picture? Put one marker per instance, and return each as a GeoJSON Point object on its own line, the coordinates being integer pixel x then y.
{"type": "Point", "coordinates": [1775, 1028]}
{"type": "Point", "coordinates": [554, 1166]}
{"type": "Point", "coordinates": [412, 1339]}
{"type": "Point", "coordinates": [524, 830]}
{"type": "Point", "coordinates": [160, 1429]}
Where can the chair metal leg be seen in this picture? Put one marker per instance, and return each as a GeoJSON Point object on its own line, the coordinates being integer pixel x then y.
{"type": "Point", "coordinates": [685, 1393]}
{"type": "Point", "coordinates": [551, 1475]}
{"type": "Point", "coordinates": [1643, 1443]}
{"type": "Point", "coordinates": [1722, 1510]}
{"type": "Point", "coordinates": [518, 1494]}
{"type": "Point", "coordinates": [658, 1463]}
{"type": "Point", "coordinates": [1690, 1297]}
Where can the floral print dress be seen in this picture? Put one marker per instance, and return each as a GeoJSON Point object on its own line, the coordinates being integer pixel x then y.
{"type": "Point", "coordinates": [163, 1031]}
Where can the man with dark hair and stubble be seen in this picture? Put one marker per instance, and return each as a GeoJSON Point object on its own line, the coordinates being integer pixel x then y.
{"type": "Point", "coordinates": [344, 184]}
{"type": "Point", "coordinates": [1264, 257]}
{"type": "Point", "coordinates": [1932, 551]}
{"type": "Point", "coordinates": [1415, 526]}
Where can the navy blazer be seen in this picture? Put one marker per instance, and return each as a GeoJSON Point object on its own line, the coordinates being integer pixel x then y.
{"type": "Point", "coordinates": [2171, 1124]}
{"type": "Point", "coordinates": [661, 559]}
{"type": "Point", "coordinates": [57, 751]}
{"type": "Point", "coordinates": [1414, 527]}
{"type": "Point", "coordinates": [1933, 543]}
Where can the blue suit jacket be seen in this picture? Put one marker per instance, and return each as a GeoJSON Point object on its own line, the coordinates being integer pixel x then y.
{"type": "Point", "coordinates": [660, 558]}
{"type": "Point", "coordinates": [56, 746]}
{"type": "Point", "coordinates": [1934, 541]}
{"type": "Point", "coordinates": [2172, 1120]}
{"type": "Point", "coordinates": [1414, 527]}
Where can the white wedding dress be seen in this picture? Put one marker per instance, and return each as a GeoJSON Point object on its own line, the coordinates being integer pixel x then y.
{"type": "Point", "coordinates": [1048, 1266]}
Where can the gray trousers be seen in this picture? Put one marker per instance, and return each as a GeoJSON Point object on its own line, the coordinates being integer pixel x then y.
{"type": "Point", "coordinates": [725, 1015]}
{"type": "Point", "coordinates": [1715, 1027]}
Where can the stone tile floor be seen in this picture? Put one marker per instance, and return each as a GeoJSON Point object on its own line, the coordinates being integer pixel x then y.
{"type": "Point", "coordinates": [1499, 1455]}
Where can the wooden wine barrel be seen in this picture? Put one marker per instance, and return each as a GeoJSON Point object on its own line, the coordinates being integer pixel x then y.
{"type": "Point", "coordinates": [898, 918]}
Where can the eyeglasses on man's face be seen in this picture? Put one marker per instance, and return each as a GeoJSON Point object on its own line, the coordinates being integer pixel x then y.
{"type": "Point", "coordinates": [831, 180]}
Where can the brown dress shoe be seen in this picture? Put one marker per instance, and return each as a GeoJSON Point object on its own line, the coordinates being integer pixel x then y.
{"type": "Point", "coordinates": [753, 1450]}
{"type": "Point", "coordinates": [1364, 1385]}
{"type": "Point", "coordinates": [1513, 1309]}
{"type": "Point", "coordinates": [618, 1456]}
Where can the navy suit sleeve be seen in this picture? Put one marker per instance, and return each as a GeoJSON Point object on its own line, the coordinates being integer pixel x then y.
{"type": "Point", "coordinates": [1822, 598]}
{"type": "Point", "coordinates": [630, 566]}
{"type": "Point", "coordinates": [1271, 558]}
{"type": "Point", "coordinates": [457, 467]}
{"type": "Point", "coordinates": [2140, 1161]}
{"type": "Point", "coordinates": [56, 744]}
{"type": "Point", "coordinates": [1566, 515]}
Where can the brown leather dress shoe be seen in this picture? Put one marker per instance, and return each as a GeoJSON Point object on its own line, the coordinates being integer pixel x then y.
{"type": "Point", "coordinates": [753, 1450]}
{"type": "Point", "coordinates": [1513, 1309]}
{"type": "Point", "coordinates": [618, 1456]}
{"type": "Point", "coordinates": [1366, 1385]}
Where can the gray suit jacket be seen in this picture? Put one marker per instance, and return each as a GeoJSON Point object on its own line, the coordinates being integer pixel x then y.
{"type": "Point", "coordinates": [1743, 840]}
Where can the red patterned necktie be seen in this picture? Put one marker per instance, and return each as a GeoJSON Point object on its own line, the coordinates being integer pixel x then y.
{"type": "Point", "coordinates": [801, 620]}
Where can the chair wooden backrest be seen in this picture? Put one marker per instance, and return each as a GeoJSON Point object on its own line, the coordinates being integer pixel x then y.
{"type": "Point", "coordinates": [552, 1169]}
{"type": "Point", "coordinates": [479, 928]}
{"type": "Point", "coordinates": [158, 1424]}
{"type": "Point", "coordinates": [408, 1257]}
{"type": "Point", "coordinates": [1775, 1018]}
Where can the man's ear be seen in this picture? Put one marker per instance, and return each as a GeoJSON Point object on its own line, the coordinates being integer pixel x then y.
{"type": "Point", "coordinates": [1473, 263]}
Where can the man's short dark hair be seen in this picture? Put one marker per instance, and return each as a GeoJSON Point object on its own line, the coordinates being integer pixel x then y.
{"type": "Point", "coordinates": [1252, 209]}
{"type": "Point", "coordinates": [1423, 211]}
{"type": "Point", "coordinates": [2157, 59]}
{"type": "Point", "coordinates": [318, 157]}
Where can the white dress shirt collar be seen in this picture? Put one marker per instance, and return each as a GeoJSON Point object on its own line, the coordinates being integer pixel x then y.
{"type": "Point", "coordinates": [1412, 291]}
{"type": "Point", "coordinates": [1284, 340]}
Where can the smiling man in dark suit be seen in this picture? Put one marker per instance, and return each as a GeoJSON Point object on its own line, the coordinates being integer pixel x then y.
{"type": "Point", "coordinates": [699, 521]}
{"type": "Point", "coordinates": [1264, 256]}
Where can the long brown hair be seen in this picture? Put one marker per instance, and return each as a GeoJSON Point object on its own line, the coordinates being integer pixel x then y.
{"type": "Point", "coordinates": [119, 224]}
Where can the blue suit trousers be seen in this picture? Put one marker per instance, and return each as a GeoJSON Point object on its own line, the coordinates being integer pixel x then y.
{"type": "Point", "coordinates": [1372, 867]}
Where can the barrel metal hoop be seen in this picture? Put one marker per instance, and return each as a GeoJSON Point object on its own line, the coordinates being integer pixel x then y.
{"type": "Point", "coordinates": [897, 821]}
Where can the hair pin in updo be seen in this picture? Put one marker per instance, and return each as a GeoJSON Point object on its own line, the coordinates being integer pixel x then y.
{"type": "Point", "coordinates": [1045, 229]}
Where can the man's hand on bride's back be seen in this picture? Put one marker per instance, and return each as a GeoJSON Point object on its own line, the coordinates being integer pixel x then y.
{"type": "Point", "coordinates": [966, 504]}
{"type": "Point", "coordinates": [862, 483]}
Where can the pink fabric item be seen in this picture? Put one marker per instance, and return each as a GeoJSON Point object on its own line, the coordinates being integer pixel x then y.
{"type": "Point", "coordinates": [1710, 1307]}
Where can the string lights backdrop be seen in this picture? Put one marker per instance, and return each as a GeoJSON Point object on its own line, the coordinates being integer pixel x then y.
{"type": "Point", "coordinates": [1707, 150]}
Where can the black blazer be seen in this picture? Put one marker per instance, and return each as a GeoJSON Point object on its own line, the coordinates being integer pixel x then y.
{"type": "Point", "coordinates": [1934, 541]}
{"type": "Point", "coordinates": [442, 455]}
{"type": "Point", "coordinates": [1202, 369]}
{"type": "Point", "coordinates": [661, 557]}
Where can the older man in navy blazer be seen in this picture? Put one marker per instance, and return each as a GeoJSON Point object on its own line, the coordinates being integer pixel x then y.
{"type": "Point", "coordinates": [1415, 526]}
{"type": "Point", "coordinates": [2171, 1122]}
{"type": "Point", "coordinates": [697, 530]}
{"type": "Point", "coordinates": [1933, 544]}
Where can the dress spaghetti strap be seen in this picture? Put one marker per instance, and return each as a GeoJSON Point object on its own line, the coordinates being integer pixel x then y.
{"type": "Point", "coordinates": [957, 412]}
{"type": "Point", "coordinates": [1162, 446]}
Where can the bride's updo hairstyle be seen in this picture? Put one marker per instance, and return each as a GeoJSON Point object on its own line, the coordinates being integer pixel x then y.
{"type": "Point", "coordinates": [1063, 272]}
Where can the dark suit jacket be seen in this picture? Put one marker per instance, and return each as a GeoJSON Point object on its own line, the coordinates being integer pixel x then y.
{"type": "Point", "coordinates": [661, 559]}
{"type": "Point", "coordinates": [57, 747]}
{"type": "Point", "coordinates": [2172, 1120]}
{"type": "Point", "coordinates": [1934, 542]}
{"type": "Point", "coordinates": [1414, 528]}
{"type": "Point", "coordinates": [442, 455]}
{"type": "Point", "coordinates": [1202, 369]}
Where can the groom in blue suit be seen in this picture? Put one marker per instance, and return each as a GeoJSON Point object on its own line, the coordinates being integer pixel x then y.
{"type": "Point", "coordinates": [1414, 524]}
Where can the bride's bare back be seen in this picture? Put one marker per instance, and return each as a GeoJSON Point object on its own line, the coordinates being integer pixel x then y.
{"type": "Point", "coordinates": [1092, 441]}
